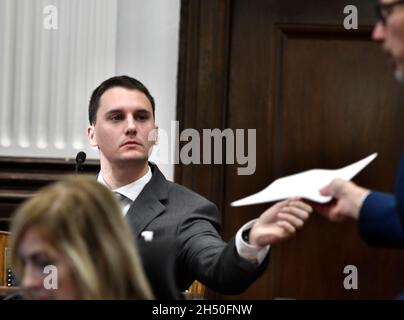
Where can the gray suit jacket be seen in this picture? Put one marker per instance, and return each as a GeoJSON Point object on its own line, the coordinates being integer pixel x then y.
{"type": "Point", "coordinates": [174, 212]}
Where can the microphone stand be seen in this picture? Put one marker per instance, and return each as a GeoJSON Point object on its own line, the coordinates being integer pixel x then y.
{"type": "Point", "coordinates": [80, 158]}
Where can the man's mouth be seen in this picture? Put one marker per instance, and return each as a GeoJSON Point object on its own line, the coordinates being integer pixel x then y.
{"type": "Point", "coordinates": [389, 54]}
{"type": "Point", "coordinates": [131, 143]}
{"type": "Point", "coordinates": [390, 58]}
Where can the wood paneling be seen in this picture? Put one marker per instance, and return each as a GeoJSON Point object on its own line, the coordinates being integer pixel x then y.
{"type": "Point", "coordinates": [319, 96]}
{"type": "Point", "coordinates": [3, 263]}
{"type": "Point", "coordinates": [204, 50]}
{"type": "Point", "coordinates": [21, 177]}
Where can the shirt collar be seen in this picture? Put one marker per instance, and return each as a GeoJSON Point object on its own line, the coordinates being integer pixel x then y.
{"type": "Point", "coordinates": [133, 189]}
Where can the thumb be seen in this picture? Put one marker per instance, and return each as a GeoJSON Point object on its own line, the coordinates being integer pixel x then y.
{"type": "Point", "coordinates": [336, 188]}
{"type": "Point", "coordinates": [332, 189]}
{"type": "Point", "coordinates": [327, 190]}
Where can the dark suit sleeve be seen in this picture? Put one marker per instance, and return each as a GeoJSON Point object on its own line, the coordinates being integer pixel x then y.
{"type": "Point", "coordinates": [208, 258]}
{"type": "Point", "coordinates": [400, 192]}
{"type": "Point", "coordinates": [379, 220]}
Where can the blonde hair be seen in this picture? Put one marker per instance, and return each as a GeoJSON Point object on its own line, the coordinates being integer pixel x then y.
{"type": "Point", "coordinates": [82, 219]}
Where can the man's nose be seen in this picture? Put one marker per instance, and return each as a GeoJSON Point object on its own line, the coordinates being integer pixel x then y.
{"type": "Point", "coordinates": [379, 32]}
{"type": "Point", "coordinates": [130, 125]}
{"type": "Point", "coordinates": [31, 279]}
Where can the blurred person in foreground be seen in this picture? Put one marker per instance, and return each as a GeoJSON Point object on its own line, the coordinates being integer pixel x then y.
{"type": "Point", "coordinates": [76, 227]}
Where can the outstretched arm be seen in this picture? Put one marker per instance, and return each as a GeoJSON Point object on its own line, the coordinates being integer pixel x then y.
{"type": "Point", "coordinates": [377, 213]}
{"type": "Point", "coordinates": [347, 200]}
{"type": "Point", "coordinates": [279, 222]}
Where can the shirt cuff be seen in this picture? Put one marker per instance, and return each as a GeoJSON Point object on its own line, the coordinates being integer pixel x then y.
{"type": "Point", "coordinates": [247, 251]}
{"type": "Point", "coordinates": [362, 200]}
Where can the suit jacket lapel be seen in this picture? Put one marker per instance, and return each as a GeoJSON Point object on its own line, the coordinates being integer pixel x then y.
{"type": "Point", "coordinates": [148, 205]}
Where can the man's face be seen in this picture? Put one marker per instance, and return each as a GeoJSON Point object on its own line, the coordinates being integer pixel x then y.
{"type": "Point", "coordinates": [392, 35]}
{"type": "Point", "coordinates": [124, 127]}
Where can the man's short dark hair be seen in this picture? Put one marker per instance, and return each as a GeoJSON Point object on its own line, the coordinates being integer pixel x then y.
{"type": "Point", "coordinates": [118, 81]}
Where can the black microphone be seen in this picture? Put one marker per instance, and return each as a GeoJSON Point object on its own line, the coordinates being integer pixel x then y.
{"type": "Point", "coordinates": [80, 158]}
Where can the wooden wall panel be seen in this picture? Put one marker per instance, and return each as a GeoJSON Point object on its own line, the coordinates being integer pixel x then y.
{"type": "Point", "coordinates": [3, 263]}
{"type": "Point", "coordinates": [21, 177]}
{"type": "Point", "coordinates": [318, 96]}
{"type": "Point", "coordinates": [323, 116]}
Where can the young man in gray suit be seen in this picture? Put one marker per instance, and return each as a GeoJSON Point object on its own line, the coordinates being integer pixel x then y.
{"type": "Point", "coordinates": [121, 114]}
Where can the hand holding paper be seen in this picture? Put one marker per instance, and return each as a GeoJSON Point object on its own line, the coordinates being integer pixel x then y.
{"type": "Point", "coordinates": [304, 185]}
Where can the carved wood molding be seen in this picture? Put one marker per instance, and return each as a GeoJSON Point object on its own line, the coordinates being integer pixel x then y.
{"type": "Point", "coordinates": [202, 85]}
{"type": "Point", "coordinates": [203, 75]}
{"type": "Point", "coordinates": [20, 178]}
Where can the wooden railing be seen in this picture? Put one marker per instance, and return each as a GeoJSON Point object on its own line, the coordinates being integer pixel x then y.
{"type": "Point", "coordinates": [5, 271]}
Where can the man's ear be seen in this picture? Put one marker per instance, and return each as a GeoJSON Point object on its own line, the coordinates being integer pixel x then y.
{"type": "Point", "coordinates": [153, 136]}
{"type": "Point", "coordinates": [91, 136]}
{"type": "Point", "coordinates": [156, 139]}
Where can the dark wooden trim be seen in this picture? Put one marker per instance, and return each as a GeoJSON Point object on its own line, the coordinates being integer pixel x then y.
{"type": "Point", "coordinates": [20, 178]}
{"type": "Point", "coordinates": [202, 88]}
{"type": "Point", "coordinates": [202, 84]}
{"type": "Point", "coordinates": [48, 164]}
{"type": "Point", "coordinates": [19, 174]}
{"type": "Point", "coordinates": [187, 68]}
{"type": "Point", "coordinates": [328, 32]}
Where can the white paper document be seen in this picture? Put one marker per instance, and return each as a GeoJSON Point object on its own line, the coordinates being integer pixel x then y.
{"type": "Point", "coordinates": [305, 185]}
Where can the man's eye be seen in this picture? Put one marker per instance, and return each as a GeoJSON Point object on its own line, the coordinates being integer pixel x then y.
{"type": "Point", "coordinates": [116, 117]}
{"type": "Point", "coordinates": [142, 117]}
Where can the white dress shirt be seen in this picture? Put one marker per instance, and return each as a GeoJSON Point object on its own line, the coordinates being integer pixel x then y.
{"type": "Point", "coordinates": [132, 190]}
{"type": "Point", "coordinates": [129, 191]}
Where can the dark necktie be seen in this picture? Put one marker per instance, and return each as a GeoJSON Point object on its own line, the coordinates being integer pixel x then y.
{"type": "Point", "coordinates": [122, 200]}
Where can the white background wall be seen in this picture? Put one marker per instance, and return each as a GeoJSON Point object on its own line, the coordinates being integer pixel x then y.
{"type": "Point", "coordinates": [147, 49]}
